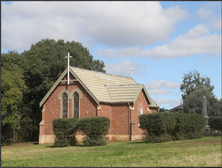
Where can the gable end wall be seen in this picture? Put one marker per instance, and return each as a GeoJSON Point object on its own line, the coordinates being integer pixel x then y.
{"type": "Point", "coordinates": [140, 102]}
{"type": "Point", "coordinates": [88, 106]}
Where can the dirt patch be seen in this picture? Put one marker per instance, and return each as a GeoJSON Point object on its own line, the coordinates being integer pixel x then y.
{"type": "Point", "coordinates": [20, 145]}
{"type": "Point", "coordinates": [204, 143]}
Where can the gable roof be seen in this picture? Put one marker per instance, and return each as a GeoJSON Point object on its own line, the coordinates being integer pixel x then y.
{"type": "Point", "coordinates": [104, 87]}
{"type": "Point", "coordinates": [177, 108]}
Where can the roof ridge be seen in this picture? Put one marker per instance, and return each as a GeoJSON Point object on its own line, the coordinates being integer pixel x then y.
{"type": "Point", "coordinates": [122, 85]}
{"type": "Point", "coordinates": [101, 72]}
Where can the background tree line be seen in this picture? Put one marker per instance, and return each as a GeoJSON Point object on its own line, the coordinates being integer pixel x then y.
{"type": "Point", "coordinates": [27, 77]}
{"type": "Point", "coordinates": [194, 87]}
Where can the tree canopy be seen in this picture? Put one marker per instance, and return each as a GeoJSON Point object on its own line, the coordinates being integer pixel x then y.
{"type": "Point", "coordinates": [194, 103]}
{"type": "Point", "coordinates": [193, 81]}
{"type": "Point", "coordinates": [194, 87]}
{"type": "Point", "coordinates": [34, 71]}
{"type": "Point", "coordinates": [14, 118]}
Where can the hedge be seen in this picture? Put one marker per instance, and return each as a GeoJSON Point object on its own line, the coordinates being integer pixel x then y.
{"type": "Point", "coordinates": [167, 126]}
{"type": "Point", "coordinates": [215, 123]}
{"type": "Point", "coordinates": [95, 129]}
{"type": "Point", "coordinates": [63, 128]}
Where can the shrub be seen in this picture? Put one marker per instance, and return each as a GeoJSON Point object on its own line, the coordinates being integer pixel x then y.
{"type": "Point", "coordinates": [5, 141]}
{"type": "Point", "coordinates": [61, 142]}
{"type": "Point", "coordinates": [188, 126]}
{"type": "Point", "coordinates": [162, 127]}
{"type": "Point", "coordinates": [215, 123]}
{"type": "Point", "coordinates": [157, 139]}
{"type": "Point", "coordinates": [63, 128]}
{"type": "Point", "coordinates": [95, 129]}
{"type": "Point", "coordinates": [158, 123]}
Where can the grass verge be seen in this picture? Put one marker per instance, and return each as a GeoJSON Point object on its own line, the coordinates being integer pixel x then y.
{"type": "Point", "coordinates": [205, 152]}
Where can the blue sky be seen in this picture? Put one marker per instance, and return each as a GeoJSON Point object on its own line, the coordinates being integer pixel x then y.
{"type": "Point", "coordinates": [160, 40]}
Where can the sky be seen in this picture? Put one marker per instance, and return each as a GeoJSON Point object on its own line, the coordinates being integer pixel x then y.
{"type": "Point", "coordinates": [162, 40]}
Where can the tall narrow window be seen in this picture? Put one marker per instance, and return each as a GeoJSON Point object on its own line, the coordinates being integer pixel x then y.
{"type": "Point", "coordinates": [76, 105]}
{"type": "Point", "coordinates": [65, 105]}
{"type": "Point", "coordinates": [140, 113]}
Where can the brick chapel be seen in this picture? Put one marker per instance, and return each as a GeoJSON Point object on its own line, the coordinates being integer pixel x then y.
{"type": "Point", "coordinates": [90, 93]}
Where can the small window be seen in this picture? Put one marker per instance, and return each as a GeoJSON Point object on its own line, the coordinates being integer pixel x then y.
{"type": "Point", "coordinates": [140, 113]}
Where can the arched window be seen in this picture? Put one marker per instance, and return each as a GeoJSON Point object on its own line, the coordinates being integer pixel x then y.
{"type": "Point", "coordinates": [65, 105]}
{"type": "Point", "coordinates": [140, 113]}
{"type": "Point", "coordinates": [76, 105]}
{"type": "Point", "coordinates": [76, 97]}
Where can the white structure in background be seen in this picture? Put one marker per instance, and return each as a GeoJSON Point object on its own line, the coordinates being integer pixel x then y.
{"type": "Point", "coordinates": [132, 71]}
{"type": "Point", "coordinates": [68, 67]}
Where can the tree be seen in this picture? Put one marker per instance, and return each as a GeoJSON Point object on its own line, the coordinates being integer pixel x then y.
{"type": "Point", "coordinates": [192, 81]}
{"type": "Point", "coordinates": [44, 63]}
{"type": "Point", "coordinates": [16, 115]}
{"type": "Point", "coordinates": [163, 109]}
{"type": "Point", "coordinates": [12, 88]}
{"type": "Point", "coordinates": [41, 66]}
{"type": "Point", "coordinates": [194, 103]}
{"type": "Point", "coordinates": [194, 87]}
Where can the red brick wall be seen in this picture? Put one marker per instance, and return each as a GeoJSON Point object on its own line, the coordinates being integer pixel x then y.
{"type": "Point", "coordinates": [153, 110]}
{"type": "Point", "coordinates": [106, 111]}
{"type": "Point", "coordinates": [120, 119]}
{"type": "Point", "coordinates": [88, 106]}
{"type": "Point", "coordinates": [140, 102]}
{"type": "Point", "coordinates": [118, 113]}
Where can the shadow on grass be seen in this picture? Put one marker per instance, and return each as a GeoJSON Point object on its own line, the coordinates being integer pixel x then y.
{"type": "Point", "coordinates": [78, 145]}
{"type": "Point", "coordinates": [131, 142]}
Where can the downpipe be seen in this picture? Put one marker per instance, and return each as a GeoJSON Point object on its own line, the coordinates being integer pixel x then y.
{"type": "Point", "coordinates": [129, 124]}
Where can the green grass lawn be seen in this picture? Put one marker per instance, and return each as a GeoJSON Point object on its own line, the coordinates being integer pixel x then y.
{"type": "Point", "coordinates": [205, 152]}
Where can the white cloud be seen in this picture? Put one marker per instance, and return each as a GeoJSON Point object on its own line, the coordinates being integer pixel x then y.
{"type": "Point", "coordinates": [158, 91]}
{"type": "Point", "coordinates": [196, 41]}
{"type": "Point", "coordinates": [167, 104]}
{"type": "Point", "coordinates": [113, 24]}
{"type": "Point", "coordinates": [205, 13]}
{"type": "Point", "coordinates": [161, 87]}
{"type": "Point", "coordinates": [123, 68]}
{"type": "Point", "coordinates": [162, 84]}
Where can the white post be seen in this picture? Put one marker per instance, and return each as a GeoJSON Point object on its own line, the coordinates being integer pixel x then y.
{"type": "Point", "coordinates": [68, 67]}
{"type": "Point", "coordinates": [132, 71]}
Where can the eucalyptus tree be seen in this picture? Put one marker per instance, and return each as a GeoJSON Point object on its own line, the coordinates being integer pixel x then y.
{"type": "Point", "coordinates": [194, 87]}
{"type": "Point", "coordinates": [193, 81]}
{"type": "Point", "coordinates": [194, 103]}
